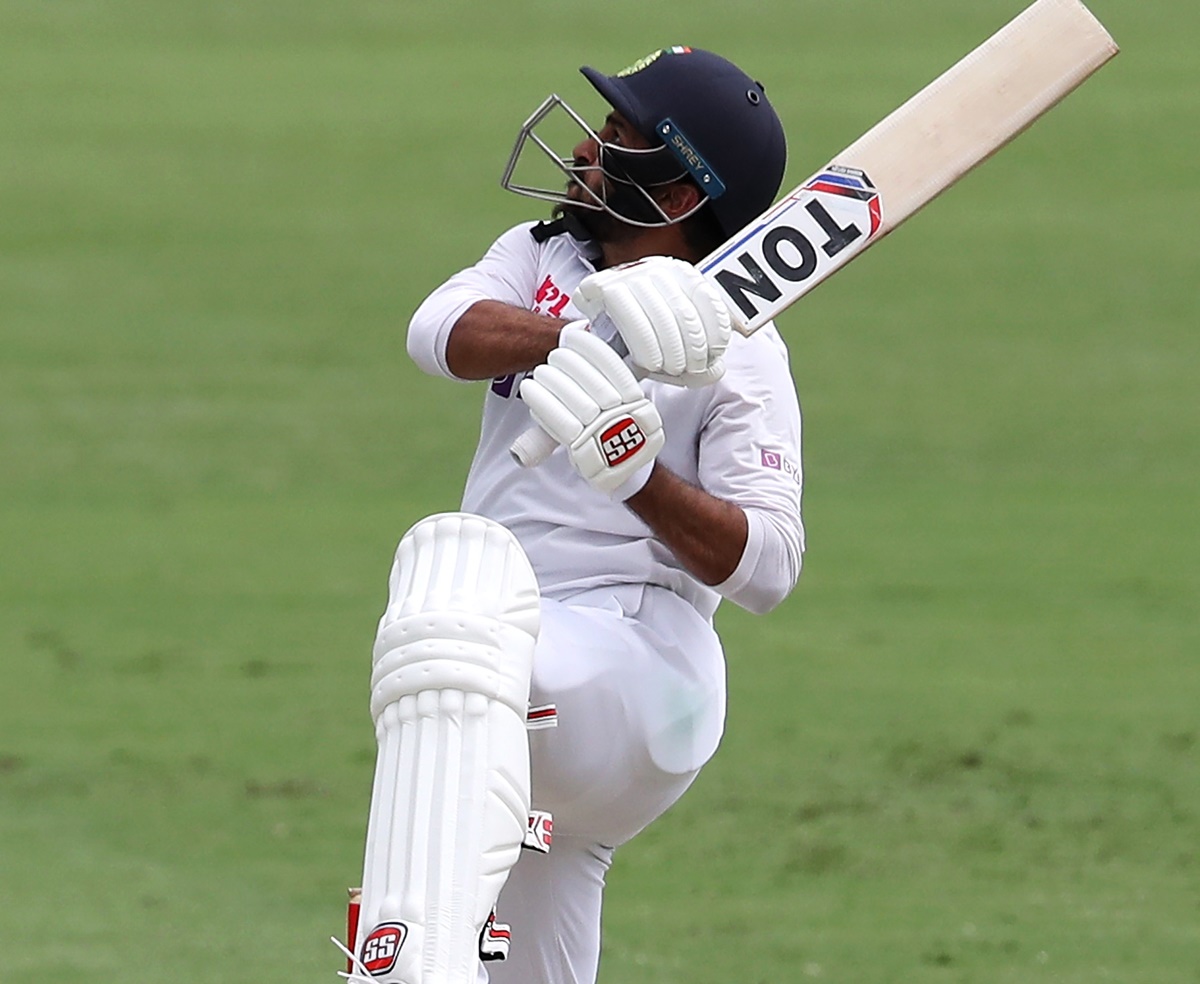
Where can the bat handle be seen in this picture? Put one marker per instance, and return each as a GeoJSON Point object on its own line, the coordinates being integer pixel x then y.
{"type": "Point", "coordinates": [533, 447]}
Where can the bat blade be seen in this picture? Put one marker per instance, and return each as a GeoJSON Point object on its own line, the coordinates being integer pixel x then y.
{"type": "Point", "coordinates": [909, 158]}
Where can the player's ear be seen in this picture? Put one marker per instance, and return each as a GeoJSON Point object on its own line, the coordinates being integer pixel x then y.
{"type": "Point", "coordinates": [679, 198]}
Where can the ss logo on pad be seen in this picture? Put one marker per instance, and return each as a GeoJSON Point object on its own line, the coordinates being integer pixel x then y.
{"type": "Point", "coordinates": [380, 949]}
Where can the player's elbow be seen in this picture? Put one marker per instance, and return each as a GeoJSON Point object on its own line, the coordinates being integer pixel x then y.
{"type": "Point", "coordinates": [770, 566]}
{"type": "Point", "coordinates": [429, 331]}
{"type": "Point", "coordinates": [766, 593]}
{"type": "Point", "coordinates": [421, 344]}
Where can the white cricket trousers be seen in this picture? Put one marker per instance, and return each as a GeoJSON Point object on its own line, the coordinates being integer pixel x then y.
{"type": "Point", "coordinates": [638, 678]}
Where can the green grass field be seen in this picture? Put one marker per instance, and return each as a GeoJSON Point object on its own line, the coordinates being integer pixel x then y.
{"type": "Point", "coordinates": [967, 749]}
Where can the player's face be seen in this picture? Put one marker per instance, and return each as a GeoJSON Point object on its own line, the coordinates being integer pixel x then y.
{"type": "Point", "coordinates": [603, 226]}
{"type": "Point", "coordinates": [616, 130]}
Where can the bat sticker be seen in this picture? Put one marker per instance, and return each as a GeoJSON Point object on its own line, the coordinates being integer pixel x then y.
{"type": "Point", "coordinates": [850, 182]}
{"type": "Point", "coordinates": [808, 235]}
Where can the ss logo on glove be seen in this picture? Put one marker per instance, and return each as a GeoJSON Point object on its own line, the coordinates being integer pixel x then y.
{"type": "Point", "coordinates": [585, 397]}
{"type": "Point", "coordinates": [621, 440]}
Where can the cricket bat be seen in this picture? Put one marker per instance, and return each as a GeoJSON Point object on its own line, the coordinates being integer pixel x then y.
{"type": "Point", "coordinates": [898, 166]}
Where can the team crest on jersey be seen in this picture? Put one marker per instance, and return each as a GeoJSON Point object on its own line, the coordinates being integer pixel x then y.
{"type": "Point", "coordinates": [382, 947]}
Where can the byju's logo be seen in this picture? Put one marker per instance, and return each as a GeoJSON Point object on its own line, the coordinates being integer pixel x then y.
{"type": "Point", "coordinates": [777, 462]}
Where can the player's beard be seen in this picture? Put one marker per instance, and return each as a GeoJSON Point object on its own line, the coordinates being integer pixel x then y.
{"type": "Point", "coordinates": [603, 226]}
{"type": "Point", "coordinates": [593, 224]}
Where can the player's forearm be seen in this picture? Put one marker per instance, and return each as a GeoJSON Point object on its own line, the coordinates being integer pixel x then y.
{"type": "Point", "coordinates": [492, 339]}
{"type": "Point", "coordinates": [706, 534]}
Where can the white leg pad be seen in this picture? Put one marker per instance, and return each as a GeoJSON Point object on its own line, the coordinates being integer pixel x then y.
{"type": "Point", "coordinates": [449, 695]}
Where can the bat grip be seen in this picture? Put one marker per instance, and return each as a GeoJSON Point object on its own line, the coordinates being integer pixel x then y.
{"type": "Point", "coordinates": [532, 447]}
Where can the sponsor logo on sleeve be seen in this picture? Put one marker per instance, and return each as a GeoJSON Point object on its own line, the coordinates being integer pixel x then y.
{"type": "Point", "coordinates": [776, 461]}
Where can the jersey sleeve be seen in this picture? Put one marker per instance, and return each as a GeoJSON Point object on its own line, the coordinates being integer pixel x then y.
{"type": "Point", "coordinates": [750, 454]}
{"type": "Point", "coordinates": [505, 273]}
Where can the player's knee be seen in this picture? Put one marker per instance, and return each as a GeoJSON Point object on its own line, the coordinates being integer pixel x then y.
{"type": "Point", "coordinates": [462, 614]}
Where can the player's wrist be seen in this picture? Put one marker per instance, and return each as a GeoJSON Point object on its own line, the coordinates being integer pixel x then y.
{"type": "Point", "coordinates": [634, 483]}
{"type": "Point", "coordinates": [581, 323]}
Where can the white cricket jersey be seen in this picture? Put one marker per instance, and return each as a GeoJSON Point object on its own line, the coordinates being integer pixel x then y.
{"type": "Point", "coordinates": [738, 439]}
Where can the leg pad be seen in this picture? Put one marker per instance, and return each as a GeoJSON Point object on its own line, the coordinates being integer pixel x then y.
{"type": "Point", "coordinates": [449, 696]}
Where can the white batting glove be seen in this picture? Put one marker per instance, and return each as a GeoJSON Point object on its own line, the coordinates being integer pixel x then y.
{"type": "Point", "coordinates": [587, 399]}
{"type": "Point", "coordinates": [674, 321]}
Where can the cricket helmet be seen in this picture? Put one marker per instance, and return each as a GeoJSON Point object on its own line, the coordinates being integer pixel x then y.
{"type": "Point", "coordinates": [712, 118]}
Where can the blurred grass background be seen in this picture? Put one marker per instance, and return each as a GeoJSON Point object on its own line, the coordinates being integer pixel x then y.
{"type": "Point", "coordinates": [966, 749]}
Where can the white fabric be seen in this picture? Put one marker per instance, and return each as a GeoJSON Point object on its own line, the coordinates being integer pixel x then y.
{"type": "Point", "coordinates": [639, 682]}
{"type": "Point", "coordinates": [556, 934]}
{"type": "Point", "coordinates": [738, 439]}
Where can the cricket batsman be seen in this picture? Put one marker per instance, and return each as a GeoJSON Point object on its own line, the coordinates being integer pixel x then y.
{"type": "Point", "coordinates": [580, 593]}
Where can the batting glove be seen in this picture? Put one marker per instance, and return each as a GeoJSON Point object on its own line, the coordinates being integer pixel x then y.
{"type": "Point", "coordinates": [588, 400]}
{"type": "Point", "coordinates": [674, 321]}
